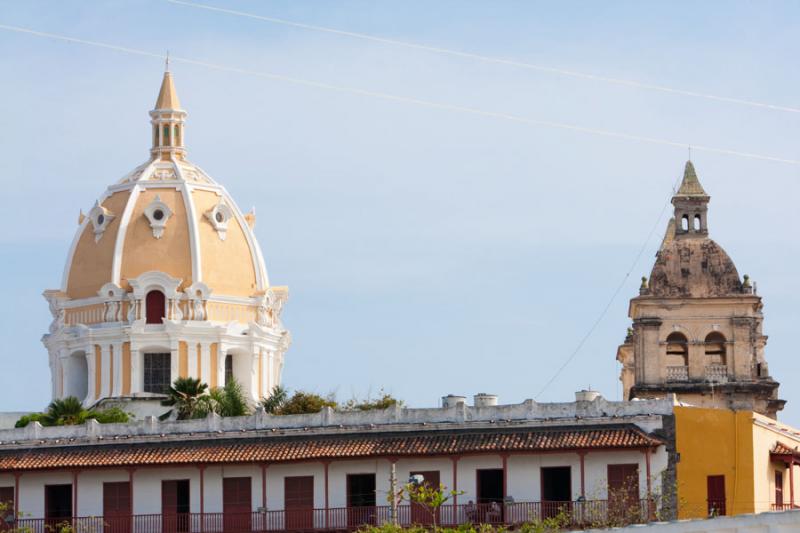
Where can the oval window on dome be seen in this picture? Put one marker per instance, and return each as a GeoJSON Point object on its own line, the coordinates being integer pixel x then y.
{"type": "Point", "coordinates": [158, 214]}
{"type": "Point", "coordinates": [220, 217]}
{"type": "Point", "coordinates": [100, 220]}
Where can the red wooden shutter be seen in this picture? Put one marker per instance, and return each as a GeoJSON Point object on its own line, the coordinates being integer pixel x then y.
{"type": "Point", "coordinates": [175, 505]}
{"type": "Point", "coordinates": [237, 503]}
{"type": "Point", "coordinates": [623, 493]}
{"type": "Point", "coordinates": [716, 495]}
{"type": "Point", "coordinates": [778, 490]}
{"type": "Point", "coordinates": [419, 513]}
{"type": "Point", "coordinates": [298, 494]}
{"type": "Point", "coordinates": [117, 507]}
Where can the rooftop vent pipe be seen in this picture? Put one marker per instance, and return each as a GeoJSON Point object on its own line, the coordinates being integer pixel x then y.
{"type": "Point", "coordinates": [451, 400]}
{"type": "Point", "coordinates": [484, 400]}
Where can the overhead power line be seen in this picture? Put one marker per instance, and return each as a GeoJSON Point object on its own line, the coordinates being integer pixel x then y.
{"type": "Point", "coordinates": [406, 99]}
{"type": "Point", "coordinates": [498, 60]}
{"type": "Point", "coordinates": [613, 298]}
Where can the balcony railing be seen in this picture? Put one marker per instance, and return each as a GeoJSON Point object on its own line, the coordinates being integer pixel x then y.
{"type": "Point", "coordinates": [678, 373]}
{"type": "Point", "coordinates": [717, 372]}
{"type": "Point", "coordinates": [599, 513]}
{"type": "Point", "coordinates": [783, 506]}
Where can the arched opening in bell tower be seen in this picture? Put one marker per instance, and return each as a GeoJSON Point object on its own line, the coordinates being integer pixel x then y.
{"type": "Point", "coordinates": [677, 349]}
{"type": "Point", "coordinates": [155, 306]}
{"type": "Point", "coordinates": [76, 376]}
{"type": "Point", "coordinates": [715, 349]}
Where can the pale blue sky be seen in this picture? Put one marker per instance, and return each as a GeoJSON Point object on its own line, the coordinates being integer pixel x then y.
{"type": "Point", "coordinates": [426, 251]}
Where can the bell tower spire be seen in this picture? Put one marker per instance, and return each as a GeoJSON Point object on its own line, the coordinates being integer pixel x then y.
{"type": "Point", "coordinates": [691, 206]}
{"type": "Point", "coordinates": [168, 120]}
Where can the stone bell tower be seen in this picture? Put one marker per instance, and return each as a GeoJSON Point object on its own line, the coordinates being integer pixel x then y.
{"type": "Point", "coordinates": [696, 325]}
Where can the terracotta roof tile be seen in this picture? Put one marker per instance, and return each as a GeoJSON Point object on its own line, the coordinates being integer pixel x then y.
{"type": "Point", "coordinates": [782, 449]}
{"type": "Point", "coordinates": [280, 448]}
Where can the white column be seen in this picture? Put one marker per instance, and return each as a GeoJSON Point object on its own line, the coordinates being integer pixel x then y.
{"type": "Point", "coordinates": [205, 361]}
{"type": "Point", "coordinates": [91, 394]}
{"type": "Point", "coordinates": [174, 371]}
{"type": "Point", "coordinates": [265, 373]}
{"type": "Point", "coordinates": [116, 382]}
{"type": "Point", "coordinates": [136, 369]}
{"type": "Point", "coordinates": [191, 354]}
{"type": "Point", "coordinates": [221, 351]}
{"type": "Point", "coordinates": [254, 357]}
{"type": "Point", "coordinates": [105, 367]}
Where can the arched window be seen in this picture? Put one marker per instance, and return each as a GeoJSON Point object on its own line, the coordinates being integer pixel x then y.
{"type": "Point", "coordinates": [685, 223]}
{"type": "Point", "coordinates": [166, 136]}
{"type": "Point", "coordinates": [155, 135]}
{"type": "Point", "coordinates": [228, 368]}
{"type": "Point", "coordinates": [177, 136]}
{"type": "Point", "coordinates": [697, 222]}
{"type": "Point", "coordinates": [155, 305]}
{"type": "Point", "coordinates": [677, 349]}
{"type": "Point", "coordinates": [715, 349]}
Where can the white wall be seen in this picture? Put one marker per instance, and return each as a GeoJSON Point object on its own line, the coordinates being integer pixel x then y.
{"type": "Point", "coordinates": [523, 480]}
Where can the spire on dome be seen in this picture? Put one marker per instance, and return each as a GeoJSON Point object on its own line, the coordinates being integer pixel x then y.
{"type": "Point", "coordinates": [168, 121]}
{"type": "Point", "coordinates": [690, 186]}
{"type": "Point", "coordinates": [167, 96]}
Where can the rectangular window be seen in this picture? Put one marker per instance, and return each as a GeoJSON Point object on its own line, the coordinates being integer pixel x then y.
{"type": "Point", "coordinates": [175, 506]}
{"type": "Point", "coordinates": [298, 493]}
{"type": "Point", "coordinates": [117, 507]}
{"type": "Point", "coordinates": [157, 372]}
{"type": "Point", "coordinates": [360, 499]}
{"type": "Point", "coordinates": [57, 504]}
{"type": "Point", "coordinates": [7, 509]}
{"type": "Point", "coordinates": [237, 504]}
{"type": "Point", "coordinates": [779, 490]}
{"type": "Point", "coordinates": [716, 495]}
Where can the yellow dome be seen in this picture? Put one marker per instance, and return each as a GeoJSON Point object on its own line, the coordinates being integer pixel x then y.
{"type": "Point", "coordinates": [167, 215]}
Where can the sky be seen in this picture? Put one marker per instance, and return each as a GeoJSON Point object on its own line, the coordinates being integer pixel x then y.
{"type": "Point", "coordinates": [427, 250]}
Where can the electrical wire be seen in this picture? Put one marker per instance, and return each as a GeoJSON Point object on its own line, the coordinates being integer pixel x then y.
{"type": "Point", "coordinates": [489, 59]}
{"type": "Point", "coordinates": [613, 296]}
{"type": "Point", "coordinates": [405, 99]}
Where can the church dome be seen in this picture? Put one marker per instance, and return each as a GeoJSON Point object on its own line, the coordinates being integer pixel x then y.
{"type": "Point", "coordinates": [689, 263]}
{"type": "Point", "coordinates": [166, 215]}
{"type": "Point", "coordinates": [693, 267]}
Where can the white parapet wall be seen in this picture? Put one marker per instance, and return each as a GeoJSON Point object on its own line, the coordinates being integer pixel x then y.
{"type": "Point", "coordinates": [774, 522]}
{"type": "Point", "coordinates": [575, 413]}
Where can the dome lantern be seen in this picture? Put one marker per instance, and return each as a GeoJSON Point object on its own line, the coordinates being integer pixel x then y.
{"type": "Point", "coordinates": [168, 120]}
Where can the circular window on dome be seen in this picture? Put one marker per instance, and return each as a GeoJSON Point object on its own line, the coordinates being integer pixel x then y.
{"type": "Point", "coordinates": [220, 217]}
{"type": "Point", "coordinates": [158, 214]}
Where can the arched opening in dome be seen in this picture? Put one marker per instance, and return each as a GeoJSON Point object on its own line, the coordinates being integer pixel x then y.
{"type": "Point", "coordinates": [677, 349]}
{"type": "Point", "coordinates": [76, 376]}
{"type": "Point", "coordinates": [715, 349]}
{"type": "Point", "coordinates": [155, 305]}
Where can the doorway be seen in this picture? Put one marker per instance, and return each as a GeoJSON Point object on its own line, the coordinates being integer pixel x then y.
{"type": "Point", "coordinates": [57, 505]}
{"type": "Point", "coordinates": [117, 510]}
{"type": "Point", "coordinates": [360, 499]}
{"type": "Point", "coordinates": [175, 505]}
{"type": "Point", "coordinates": [419, 513]}
{"type": "Point", "coordinates": [556, 490]}
{"type": "Point", "coordinates": [490, 494]}
{"type": "Point", "coordinates": [298, 493]}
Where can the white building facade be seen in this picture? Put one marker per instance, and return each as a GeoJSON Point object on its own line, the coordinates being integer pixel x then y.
{"type": "Point", "coordinates": [333, 469]}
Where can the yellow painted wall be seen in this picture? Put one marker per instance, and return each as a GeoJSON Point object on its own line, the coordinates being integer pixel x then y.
{"type": "Point", "coordinates": [214, 351]}
{"type": "Point", "coordinates": [714, 442]}
{"type": "Point", "coordinates": [171, 253]}
{"type": "Point", "coordinates": [91, 263]}
{"type": "Point", "coordinates": [98, 369]}
{"type": "Point", "coordinates": [227, 265]}
{"type": "Point", "coordinates": [183, 359]}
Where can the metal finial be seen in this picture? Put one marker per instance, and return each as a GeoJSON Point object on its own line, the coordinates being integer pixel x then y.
{"type": "Point", "coordinates": [690, 152]}
{"type": "Point", "coordinates": [166, 63]}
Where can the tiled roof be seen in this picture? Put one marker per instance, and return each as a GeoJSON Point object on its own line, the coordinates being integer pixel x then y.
{"type": "Point", "coordinates": [782, 449]}
{"type": "Point", "coordinates": [271, 449]}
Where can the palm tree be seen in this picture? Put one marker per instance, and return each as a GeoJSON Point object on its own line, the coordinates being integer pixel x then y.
{"type": "Point", "coordinates": [185, 396]}
{"type": "Point", "coordinates": [65, 411]}
{"type": "Point", "coordinates": [228, 400]}
{"type": "Point", "coordinates": [277, 398]}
